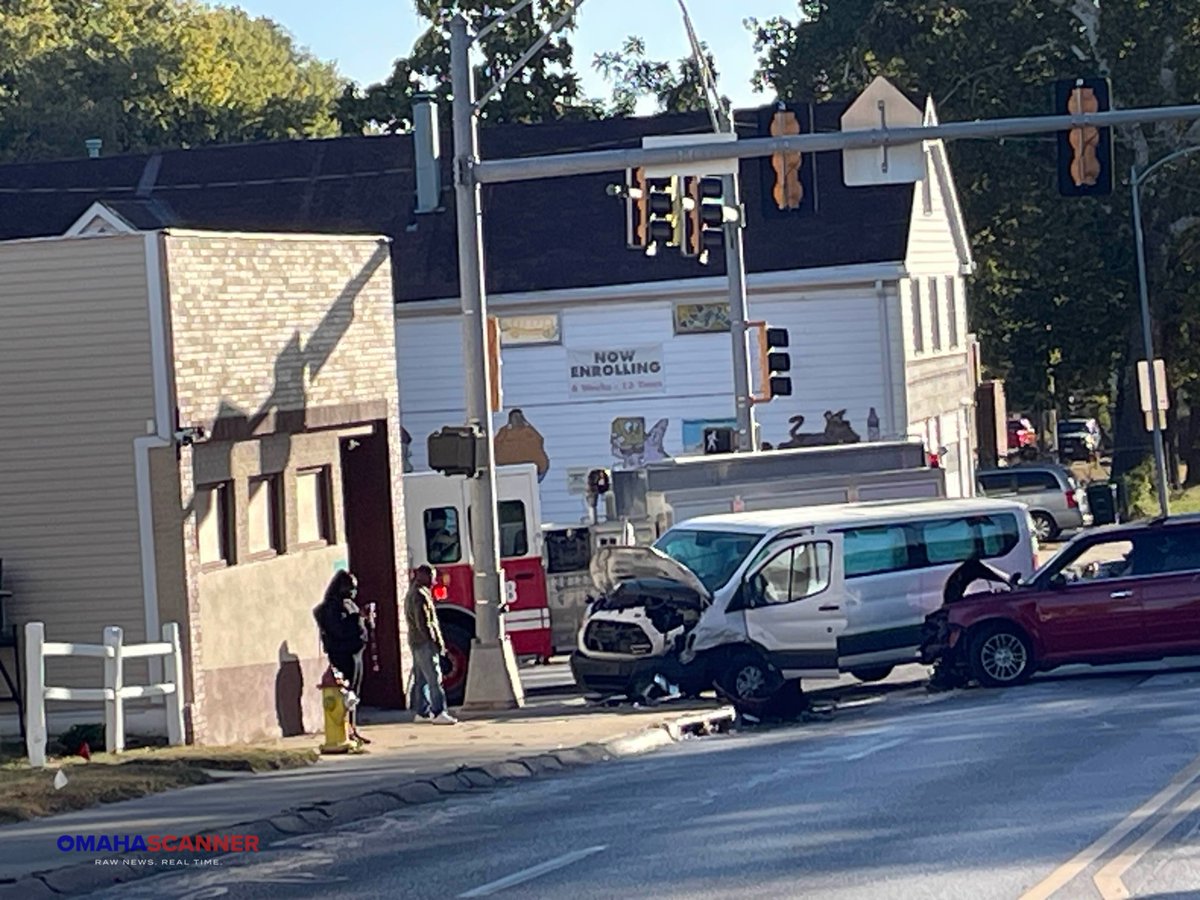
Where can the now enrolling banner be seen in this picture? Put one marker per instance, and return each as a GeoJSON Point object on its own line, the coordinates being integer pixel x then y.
{"type": "Point", "coordinates": [616, 372]}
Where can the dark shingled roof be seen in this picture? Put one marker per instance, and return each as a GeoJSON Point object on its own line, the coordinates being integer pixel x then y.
{"type": "Point", "coordinates": [540, 235]}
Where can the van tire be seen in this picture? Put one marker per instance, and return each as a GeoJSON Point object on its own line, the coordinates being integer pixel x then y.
{"type": "Point", "coordinates": [1000, 655]}
{"type": "Point", "coordinates": [458, 649]}
{"type": "Point", "coordinates": [747, 680]}
{"type": "Point", "coordinates": [1045, 528]}
{"type": "Point", "coordinates": [872, 673]}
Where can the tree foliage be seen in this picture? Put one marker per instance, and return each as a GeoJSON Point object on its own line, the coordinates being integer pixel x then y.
{"type": "Point", "coordinates": [145, 74]}
{"type": "Point", "coordinates": [675, 89]}
{"type": "Point", "coordinates": [1056, 286]}
{"type": "Point", "coordinates": [547, 88]}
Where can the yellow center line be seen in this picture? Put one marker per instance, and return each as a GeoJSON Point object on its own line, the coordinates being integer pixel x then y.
{"type": "Point", "coordinates": [1108, 880]}
{"type": "Point", "coordinates": [1067, 872]}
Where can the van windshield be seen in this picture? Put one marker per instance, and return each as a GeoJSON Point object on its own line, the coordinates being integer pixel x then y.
{"type": "Point", "coordinates": [713, 555]}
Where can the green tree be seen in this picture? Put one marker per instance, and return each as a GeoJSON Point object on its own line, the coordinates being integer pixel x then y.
{"type": "Point", "coordinates": [675, 89]}
{"type": "Point", "coordinates": [547, 87]}
{"type": "Point", "coordinates": [1056, 282]}
{"type": "Point", "coordinates": [142, 74]}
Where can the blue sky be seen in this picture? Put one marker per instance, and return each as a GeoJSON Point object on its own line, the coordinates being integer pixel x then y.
{"type": "Point", "coordinates": [364, 36]}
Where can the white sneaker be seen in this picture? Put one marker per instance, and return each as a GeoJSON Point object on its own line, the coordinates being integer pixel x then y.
{"type": "Point", "coordinates": [423, 717]}
{"type": "Point", "coordinates": [443, 718]}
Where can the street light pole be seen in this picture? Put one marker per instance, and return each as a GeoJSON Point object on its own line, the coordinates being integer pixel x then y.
{"type": "Point", "coordinates": [1160, 450]}
{"type": "Point", "coordinates": [492, 679]}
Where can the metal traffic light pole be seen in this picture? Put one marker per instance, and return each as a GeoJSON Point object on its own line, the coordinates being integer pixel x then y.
{"type": "Point", "coordinates": [492, 678]}
{"type": "Point", "coordinates": [735, 268]}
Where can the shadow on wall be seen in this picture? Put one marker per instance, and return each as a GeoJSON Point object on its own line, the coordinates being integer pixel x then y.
{"type": "Point", "coordinates": [289, 689]}
{"type": "Point", "coordinates": [296, 364]}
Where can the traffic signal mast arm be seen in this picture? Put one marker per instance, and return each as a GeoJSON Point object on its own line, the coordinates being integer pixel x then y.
{"type": "Point", "coordinates": [499, 171]}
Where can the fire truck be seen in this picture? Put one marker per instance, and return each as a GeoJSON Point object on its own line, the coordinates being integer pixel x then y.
{"type": "Point", "coordinates": [438, 521]}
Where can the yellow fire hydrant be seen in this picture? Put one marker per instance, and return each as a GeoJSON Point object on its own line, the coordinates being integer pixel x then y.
{"type": "Point", "coordinates": [338, 701]}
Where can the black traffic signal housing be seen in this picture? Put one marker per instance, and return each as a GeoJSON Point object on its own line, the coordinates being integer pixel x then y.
{"type": "Point", "coordinates": [599, 482]}
{"type": "Point", "coordinates": [1085, 155]}
{"type": "Point", "coordinates": [455, 450]}
{"type": "Point", "coordinates": [720, 440]}
{"type": "Point", "coordinates": [661, 222]}
{"type": "Point", "coordinates": [777, 364]}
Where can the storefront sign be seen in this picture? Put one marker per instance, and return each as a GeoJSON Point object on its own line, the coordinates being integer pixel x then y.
{"type": "Point", "coordinates": [516, 331]}
{"type": "Point", "coordinates": [616, 372]}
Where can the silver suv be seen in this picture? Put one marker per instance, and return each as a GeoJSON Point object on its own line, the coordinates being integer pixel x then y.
{"type": "Point", "coordinates": [1056, 502]}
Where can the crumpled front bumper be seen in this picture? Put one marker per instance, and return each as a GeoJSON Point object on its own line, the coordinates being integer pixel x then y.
{"type": "Point", "coordinates": [940, 639]}
{"type": "Point", "coordinates": [625, 676]}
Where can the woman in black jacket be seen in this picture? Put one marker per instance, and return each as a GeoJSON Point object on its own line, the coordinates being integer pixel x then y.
{"type": "Point", "coordinates": [343, 631]}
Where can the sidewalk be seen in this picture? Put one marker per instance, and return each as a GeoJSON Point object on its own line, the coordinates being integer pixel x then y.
{"type": "Point", "coordinates": [408, 763]}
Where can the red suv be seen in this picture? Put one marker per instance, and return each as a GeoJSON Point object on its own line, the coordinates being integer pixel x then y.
{"type": "Point", "coordinates": [1118, 594]}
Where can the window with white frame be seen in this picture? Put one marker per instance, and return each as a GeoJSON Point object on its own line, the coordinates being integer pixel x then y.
{"type": "Point", "coordinates": [935, 315]}
{"type": "Point", "coordinates": [214, 524]}
{"type": "Point", "coordinates": [918, 320]}
{"type": "Point", "coordinates": [952, 311]}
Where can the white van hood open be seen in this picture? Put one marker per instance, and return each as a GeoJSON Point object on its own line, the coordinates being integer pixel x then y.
{"type": "Point", "coordinates": [613, 565]}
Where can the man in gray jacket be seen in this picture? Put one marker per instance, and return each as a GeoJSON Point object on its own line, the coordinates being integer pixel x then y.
{"type": "Point", "coordinates": [427, 645]}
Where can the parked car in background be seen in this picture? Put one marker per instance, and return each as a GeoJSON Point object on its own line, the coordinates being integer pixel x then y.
{"type": "Point", "coordinates": [1078, 439]}
{"type": "Point", "coordinates": [1022, 438]}
{"type": "Point", "coordinates": [1125, 593]}
{"type": "Point", "coordinates": [1055, 500]}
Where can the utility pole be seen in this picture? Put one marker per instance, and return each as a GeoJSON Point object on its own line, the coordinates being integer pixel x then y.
{"type": "Point", "coordinates": [492, 678]}
{"type": "Point", "coordinates": [735, 269]}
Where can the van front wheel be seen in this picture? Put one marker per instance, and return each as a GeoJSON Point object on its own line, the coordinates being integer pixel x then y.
{"type": "Point", "coordinates": [872, 673]}
{"type": "Point", "coordinates": [748, 680]}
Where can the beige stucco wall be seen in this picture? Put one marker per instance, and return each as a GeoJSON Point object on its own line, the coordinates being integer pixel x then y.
{"type": "Point", "coordinates": [278, 343]}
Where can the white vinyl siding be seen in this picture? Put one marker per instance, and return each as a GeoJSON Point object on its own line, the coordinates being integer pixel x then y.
{"type": "Point", "coordinates": [837, 363]}
{"type": "Point", "coordinates": [77, 389]}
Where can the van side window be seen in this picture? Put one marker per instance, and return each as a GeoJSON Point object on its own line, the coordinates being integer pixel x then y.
{"type": "Point", "coordinates": [796, 573]}
{"type": "Point", "coordinates": [514, 537]}
{"type": "Point", "coordinates": [948, 540]}
{"type": "Point", "coordinates": [874, 550]}
{"type": "Point", "coordinates": [442, 541]}
{"type": "Point", "coordinates": [1036, 482]}
{"type": "Point", "coordinates": [995, 484]}
{"type": "Point", "coordinates": [1000, 534]}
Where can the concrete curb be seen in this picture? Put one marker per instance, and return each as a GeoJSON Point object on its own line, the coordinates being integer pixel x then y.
{"type": "Point", "coordinates": [86, 878]}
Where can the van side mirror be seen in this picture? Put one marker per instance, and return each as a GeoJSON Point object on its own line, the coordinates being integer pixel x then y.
{"type": "Point", "coordinates": [1017, 579]}
{"type": "Point", "coordinates": [744, 598]}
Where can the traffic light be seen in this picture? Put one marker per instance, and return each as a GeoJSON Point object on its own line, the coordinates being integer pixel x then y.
{"type": "Point", "coordinates": [495, 395]}
{"type": "Point", "coordinates": [455, 450]}
{"type": "Point", "coordinates": [637, 213]}
{"type": "Point", "coordinates": [773, 363]}
{"type": "Point", "coordinates": [719, 440]}
{"type": "Point", "coordinates": [788, 192]}
{"type": "Point", "coordinates": [1085, 155]}
{"type": "Point", "coordinates": [661, 221]}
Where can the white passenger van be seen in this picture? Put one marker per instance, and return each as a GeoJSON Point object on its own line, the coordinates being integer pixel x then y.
{"type": "Point", "coordinates": [748, 600]}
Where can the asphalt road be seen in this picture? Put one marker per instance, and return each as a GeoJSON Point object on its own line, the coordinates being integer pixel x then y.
{"type": "Point", "coordinates": [1065, 784]}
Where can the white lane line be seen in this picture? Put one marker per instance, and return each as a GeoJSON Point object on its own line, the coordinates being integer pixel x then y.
{"type": "Point", "coordinates": [1067, 872]}
{"type": "Point", "coordinates": [863, 754]}
{"type": "Point", "coordinates": [1108, 880]}
{"type": "Point", "coordinates": [550, 865]}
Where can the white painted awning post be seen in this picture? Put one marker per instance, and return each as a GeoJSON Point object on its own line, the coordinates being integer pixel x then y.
{"type": "Point", "coordinates": [35, 694]}
{"type": "Point", "coordinates": [175, 732]}
{"type": "Point", "coordinates": [114, 703]}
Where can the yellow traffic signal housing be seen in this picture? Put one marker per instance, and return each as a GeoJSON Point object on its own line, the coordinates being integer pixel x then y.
{"type": "Point", "coordinates": [1085, 155]}
{"type": "Point", "coordinates": [637, 209]}
{"type": "Point", "coordinates": [789, 190]}
{"type": "Point", "coordinates": [495, 395]}
{"type": "Point", "coordinates": [774, 365]}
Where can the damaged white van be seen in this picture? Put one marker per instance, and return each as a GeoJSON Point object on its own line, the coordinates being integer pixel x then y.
{"type": "Point", "coordinates": [748, 601]}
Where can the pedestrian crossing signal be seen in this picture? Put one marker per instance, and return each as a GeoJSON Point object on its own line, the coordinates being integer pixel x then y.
{"type": "Point", "coordinates": [719, 440]}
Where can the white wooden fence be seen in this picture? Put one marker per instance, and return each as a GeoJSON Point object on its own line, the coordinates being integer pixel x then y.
{"type": "Point", "coordinates": [115, 692]}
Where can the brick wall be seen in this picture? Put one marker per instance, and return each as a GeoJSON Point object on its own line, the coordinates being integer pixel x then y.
{"type": "Point", "coordinates": [272, 335]}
